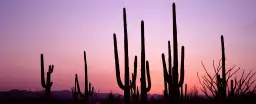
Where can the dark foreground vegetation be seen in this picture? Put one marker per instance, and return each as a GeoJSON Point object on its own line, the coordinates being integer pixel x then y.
{"type": "Point", "coordinates": [65, 97]}
{"type": "Point", "coordinates": [222, 87]}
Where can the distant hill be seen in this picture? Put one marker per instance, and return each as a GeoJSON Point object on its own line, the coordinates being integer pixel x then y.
{"type": "Point", "coordinates": [64, 94]}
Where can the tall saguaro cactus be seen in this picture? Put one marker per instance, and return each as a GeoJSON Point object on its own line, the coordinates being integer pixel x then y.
{"type": "Point", "coordinates": [144, 88]}
{"type": "Point", "coordinates": [223, 67]}
{"type": "Point", "coordinates": [48, 84]}
{"type": "Point", "coordinates": [89, 90]}
{"type": "Point", "coordinates": [126, 86]}
{"type": "Point", "coordinates": [171, 78]}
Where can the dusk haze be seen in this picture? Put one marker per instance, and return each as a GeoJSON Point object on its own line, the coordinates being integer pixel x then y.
{"type": "Point", "coordinates": [62, 30]}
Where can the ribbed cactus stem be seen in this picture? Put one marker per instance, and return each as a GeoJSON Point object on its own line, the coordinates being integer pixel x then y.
{"type": "Point", "coordinates": [126, 86]}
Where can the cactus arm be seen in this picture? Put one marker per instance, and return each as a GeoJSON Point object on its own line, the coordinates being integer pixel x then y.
{"type": "Point", "coordinates": [182, 67]}
{"type": "Point", "coordinates": [78, 88]}
{"type": "Point", "coordinates": [119, 82]}
{"type": "Point", "coordinates": [166, 76]}
{"type": "Point", "coordinates": [42, 72]}
{"type": "Point", "coordinates": [51, 69]}
{"type": "Point", "coordinates": [48, 78]}
{"type": "Point", "coordinates": [134, 73]}
{"type": "Point", "coordinates": [169, 60]}
{"type": "Point", "coordinates": [148, 77]}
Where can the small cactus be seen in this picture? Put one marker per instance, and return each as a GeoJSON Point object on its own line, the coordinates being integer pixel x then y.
{"type": "Point", "coordinates": [74, 90]}
{"type": "Point", "coordinates": [89, 90]}
{"type": "Point", "coordinates": [48, 84]}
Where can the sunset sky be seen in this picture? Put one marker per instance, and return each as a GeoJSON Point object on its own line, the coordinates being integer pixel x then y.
{"type": "Point", "coordinates": [63, 29]}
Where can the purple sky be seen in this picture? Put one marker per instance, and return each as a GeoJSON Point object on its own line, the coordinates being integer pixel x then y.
{"type": "Point", "coordinates": [63, 29]}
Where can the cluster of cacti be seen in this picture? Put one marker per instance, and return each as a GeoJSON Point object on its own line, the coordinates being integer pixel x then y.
{"type": "Point", "coordinates": [48, 84]}
{"type": "Point", "coordinates": [171, 78]}
{"type": "Point", "coordinates": [144, 69]}
{"type": "Point", "coordinates": [89, 89]}
{"type": "Point", "coordinates": [126, 86]}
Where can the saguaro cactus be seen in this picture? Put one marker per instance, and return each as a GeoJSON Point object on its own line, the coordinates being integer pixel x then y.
{"type": "Point", "coordinates": [223, 67]}
{"type": "Point", "coordinates": [221, 81]}
{"type": "Point", "coordinates": [74, 90]}
{"type": "Point", "coordinates": [144, 89]}
{"type": "Point", "coordinates": [48, 84]}
{"type": "Point", "coordinates": [126, 86]}
{"type": "Point", "coordinates": [172, 77]}
{"type": "Point", "coordinates": [88, 90]}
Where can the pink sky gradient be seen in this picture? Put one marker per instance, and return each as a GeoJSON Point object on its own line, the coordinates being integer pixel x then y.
{"type": "Point", "coordinates": [63, 29]}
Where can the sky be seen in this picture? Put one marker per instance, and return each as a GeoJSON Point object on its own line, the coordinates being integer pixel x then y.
{"type": "Point", "coordinates": [63, 29]}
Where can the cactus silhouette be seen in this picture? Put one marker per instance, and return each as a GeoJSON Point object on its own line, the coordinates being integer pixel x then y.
{"type": "Point", "coordinates": [223, 67]}
{"type": "Point", "coordinates": [48, 84]}
{"type": "Point", "coordinates": [232, 88]}
{"type": "Point", "coordinates": [74, 90]}
{"type": "Point", "coordinates": [89, 90]}
{"type": "Point", "coordinates": [126, 86]}
{"type": "Point", "coordinates": [144, 89]}
{"type": "Point", "coordinates": [221, 81]}
{"type": "Point", "coordinates": [172, 78]}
